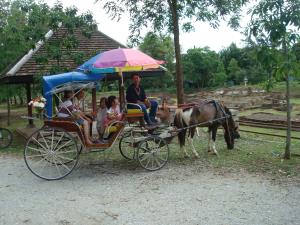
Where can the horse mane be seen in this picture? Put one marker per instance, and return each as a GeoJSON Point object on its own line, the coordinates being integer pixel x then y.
{"type": "Point", "coordinates": [227, 110]}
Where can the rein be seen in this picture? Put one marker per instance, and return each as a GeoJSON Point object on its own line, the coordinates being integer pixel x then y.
{"type": "Point", "coordinates": [198, 124]}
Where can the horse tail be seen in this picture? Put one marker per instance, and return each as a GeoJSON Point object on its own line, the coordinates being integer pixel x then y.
{"type": "Point", "coordinates": [179, 123]}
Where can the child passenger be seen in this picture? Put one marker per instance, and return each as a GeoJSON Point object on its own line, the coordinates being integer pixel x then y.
{"type": "Point", "coordinates": [101, 115]}
{"type": "Point", "coordinates": [113, 112]}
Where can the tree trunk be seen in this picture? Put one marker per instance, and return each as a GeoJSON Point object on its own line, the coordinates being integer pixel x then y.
{"type": "Point", "coordinates": [8, 111]}
{"type": "Point", "coordinates": [287, 153]}
{"type": "Point", "coordinates": [179, 73]}
{"type": "Point", "coordinates": [21, 100]}
{"type": "Point", "coordinates": [15, 100]}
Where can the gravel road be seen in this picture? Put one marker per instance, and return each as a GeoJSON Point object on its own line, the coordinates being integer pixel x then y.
{"type": "Point", "coordinates": [103, 193]}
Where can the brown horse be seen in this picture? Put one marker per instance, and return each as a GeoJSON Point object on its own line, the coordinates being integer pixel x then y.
{"type": "Point", "coordinates": [211, 114]}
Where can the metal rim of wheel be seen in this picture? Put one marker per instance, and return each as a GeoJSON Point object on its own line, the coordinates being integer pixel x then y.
{"type": "Point", "coordinates": [51, 153]}
{"type": "Point", "coordinates": [126, 146]}
{"type": "Point", "coordinates": [6, 138]}
{"type": "Point", "coordinates": [153, 153]}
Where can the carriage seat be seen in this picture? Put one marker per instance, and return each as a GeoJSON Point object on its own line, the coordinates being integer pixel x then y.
{"type": "Point", "coordinates": [133, 113]}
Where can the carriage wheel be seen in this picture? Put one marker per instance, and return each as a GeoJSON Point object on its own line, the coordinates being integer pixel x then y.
{"type": "Point", "coordinates": [153, 153]}
{"type": "Point", "coordinates": [127, 145]}
{"type": "Point", "coordinates": [6, 138]}
{"type": "Point", "coordinates": [51, 153]}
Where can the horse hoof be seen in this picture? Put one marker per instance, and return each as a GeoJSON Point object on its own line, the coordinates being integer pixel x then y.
{"type": "Point", "coordinates": [186, 156]}
{"type": "Point", "coordinates": [212, 153]}
{"type": "Point", "coordinates": [195, 156]}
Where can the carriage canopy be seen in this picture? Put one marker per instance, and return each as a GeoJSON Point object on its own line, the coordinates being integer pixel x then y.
{"type": "Point", "coordinates": [66, 81]}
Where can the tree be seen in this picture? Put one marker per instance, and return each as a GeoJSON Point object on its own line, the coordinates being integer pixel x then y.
{"type": "Point", "coordinates": [169, 15]}
{"type": "Point", "coordinates": [275, 24]}
{"type": "Point", "coordinates": [201, 66]}
{"type": "Point", "coordinates": [160, 47]}
{"type": "Point", "coordinates": [233, 71]}
{"type": "Point", "coordinates": [24, 23]}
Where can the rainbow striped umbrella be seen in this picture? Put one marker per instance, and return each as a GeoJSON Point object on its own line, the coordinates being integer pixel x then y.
{"type": "Point", "coordinates": [120, 60]}
{"type": "Point", "coordinates": [124, 59]}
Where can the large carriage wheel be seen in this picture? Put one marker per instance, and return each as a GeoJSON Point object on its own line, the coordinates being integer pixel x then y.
{"type": "Point", "coordinates": [51, 153]}
{"type": "Point", "coordinates": [6, 138]}
{"type": "Point", "coordinates": [153, 153]}
{"type": "Point", "coordinates": [126, 146]}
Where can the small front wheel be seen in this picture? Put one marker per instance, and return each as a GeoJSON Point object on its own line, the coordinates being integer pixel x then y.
{"type": "Point", "coordinates": [153, 153]}
{"type": "Point", "coordinates": [51, 153]}
{"type": "Point", "coordinates": [6, 138]}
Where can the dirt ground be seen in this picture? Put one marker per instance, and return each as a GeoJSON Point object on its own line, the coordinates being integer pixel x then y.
{"type": "Point", "coordinates": [181, 193]}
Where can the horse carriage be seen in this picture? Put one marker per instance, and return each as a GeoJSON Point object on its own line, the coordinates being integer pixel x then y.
{"type": "Point", "coordinates": [53, 151]}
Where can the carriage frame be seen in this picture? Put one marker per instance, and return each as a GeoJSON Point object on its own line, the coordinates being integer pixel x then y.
{"type": "Point", "coordinates": [52, 152]}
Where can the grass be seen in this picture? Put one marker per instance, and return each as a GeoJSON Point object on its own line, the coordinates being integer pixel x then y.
{"type": "Point", "coordinates": [270, 131]}
{"type": "Point", "coordinates": [294, 85]}
{"type": "Point", "coordinates": [254, 153]}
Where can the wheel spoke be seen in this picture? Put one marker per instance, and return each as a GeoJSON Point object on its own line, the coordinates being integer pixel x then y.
{"type": "Point", "coordinates": [44, 140]}
{"type": "Point", "coordinates": [51, 154]}
{"type": "Point", "coordinates": [63, 157]}
{"type": "Point", "coordinates": [63, 145]}
{"type": "Point", "coordinates": [157, 162]}
{"type": "Point", "coordinates": [147, 163]}
{"type": "Point", "coordinates": [57, 168]}
{"type": "Point", "coordinates": [34, 156]}
{"type": "Point", "coordinates": [60, 152]}
{"type": "Point", "coordinates": [64, 165]}
{"type": "Point", "coordinates": [59, 140]}
{"type": "Point", "coordinates": [33, 138]}
{"type": "Point", "coordinates": [52, 139]}
{"type": "Point", "coordinates": [37, 150]}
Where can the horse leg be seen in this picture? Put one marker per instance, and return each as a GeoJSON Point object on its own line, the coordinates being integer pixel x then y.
{"type": "Point", "coordinates": [190, 139]}
{"type": "Point", "coordinates": [209, 140]}
{"type": "Point", "coordinates": [198, 131]}
{"type": "Point", "coordinates": [181, 138]}
{"type": "Point", "coordinates": [214, 134]}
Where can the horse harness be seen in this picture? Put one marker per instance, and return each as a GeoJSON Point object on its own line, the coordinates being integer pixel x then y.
{"type": "Point", "coordinates": [219, 108]}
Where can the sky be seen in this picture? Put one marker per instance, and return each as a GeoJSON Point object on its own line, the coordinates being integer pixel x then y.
{"type": "Point", "coordinates": [202, 36]}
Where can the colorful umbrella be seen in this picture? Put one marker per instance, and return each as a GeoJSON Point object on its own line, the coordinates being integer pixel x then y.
{"type": "Point", "coordinates": [122, 60]}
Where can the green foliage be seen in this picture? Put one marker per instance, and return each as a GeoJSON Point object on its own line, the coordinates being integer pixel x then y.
{"type": "Point", "coordinates": [172, 16]}
{"type": "Point", "coordinates": [276, 24]}
{"type": "Point", "coordinates": [159, 47]}
{"type": "Point", "coordinates": [24, 23]}
{"type": "Point", "coordinates": [203, 67]}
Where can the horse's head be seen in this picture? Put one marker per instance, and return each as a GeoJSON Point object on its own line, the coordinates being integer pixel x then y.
{"type": "Point", "coordinates": [231, 129]}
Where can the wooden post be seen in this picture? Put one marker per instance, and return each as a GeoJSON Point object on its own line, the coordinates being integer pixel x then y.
{"type": "Point", "coordinates": [121, 95]}
{"type": "Point", "coordinates": [29, 107]}
{"type": "Point", "coordinates": [8, 111]}
{"type": "Point", "coordinates": [94, 101]}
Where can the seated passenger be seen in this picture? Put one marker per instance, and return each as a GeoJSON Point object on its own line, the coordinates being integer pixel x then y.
{"type": "Point", "coordinates": [68, 109]}
{"type": "Point", "coordinates": [113, 112]}
{"type": "Point", "coordinates": [136, 94]}
{"type": "Point", "coordinates": [101, 115]}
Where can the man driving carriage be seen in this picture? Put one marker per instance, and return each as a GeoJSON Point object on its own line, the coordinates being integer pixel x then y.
{"type": "Point", "coordinates": [136, 94]}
